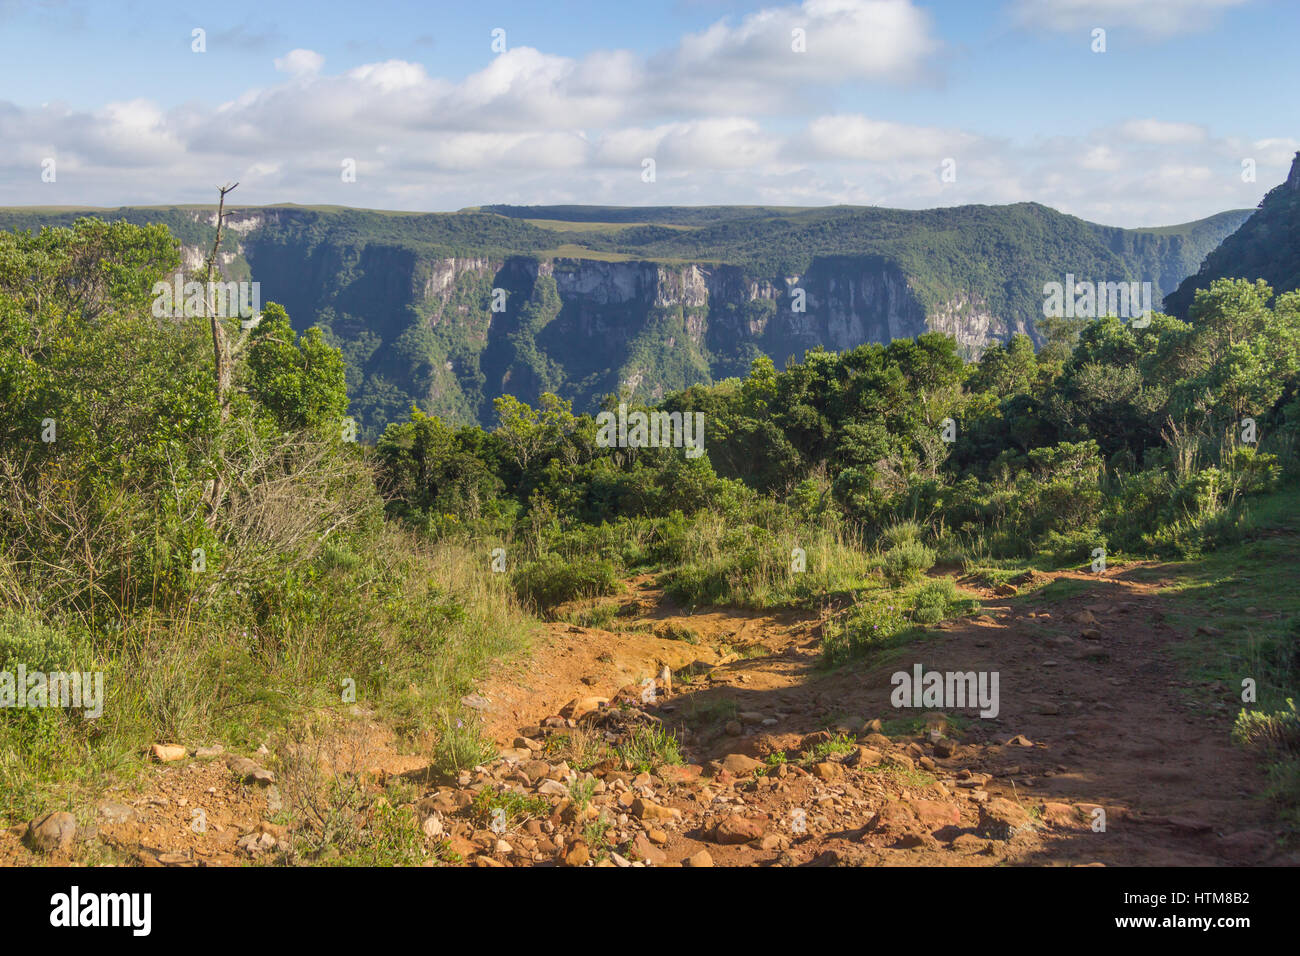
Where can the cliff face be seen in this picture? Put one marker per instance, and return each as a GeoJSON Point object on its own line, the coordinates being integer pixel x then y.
{"type": "Point", "coordinates": [426, 326]}
{"type": "Point", "coordinates": [450, 311]}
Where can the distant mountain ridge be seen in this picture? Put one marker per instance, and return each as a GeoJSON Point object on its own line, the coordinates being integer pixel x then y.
{"type": "Point", "coordinates": [1267, 246]}
{"type": "Point", "coordinates": [646, 300]}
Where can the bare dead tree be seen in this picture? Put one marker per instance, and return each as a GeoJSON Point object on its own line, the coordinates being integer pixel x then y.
{"type": "Point", "coordinates": [220, 344]}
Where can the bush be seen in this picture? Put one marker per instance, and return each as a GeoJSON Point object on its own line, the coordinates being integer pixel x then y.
{"type": "Point", "coordinates": [552, 580]}
{"type": "Point", "coordinates": [934, 600]}
{"type": "Point", "coordinates": [861, 629]}
{"type": "Point", "coordinates": [907, 561]}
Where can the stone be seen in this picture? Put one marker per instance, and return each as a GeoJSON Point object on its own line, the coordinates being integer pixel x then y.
{"type": "Point", "coordinates": [54, 831]}
{"type": "Point", "coordinates": [580, 706]}
{"type": "Point", "coordinates": [432, 826]}
{"type": "Point", "coordinates": [644, 809]}
{"type": "Point", "coordinates": [740, 765]}
{"type": "Point", "coordinates": [1000, 819]}
{"type": "Point", "coordinates": [578, 854]}
{"type": "Point", "coordinates": [935, 814]}
{"type": "Point", "coordinates": [736, 829]}
{"type": "Point", "coordinates": [945, 747]}
{"type": "Point", "coordinates": [250, 772]}
{"type": "Point", "coordinates": [827, 770]}
{"type": "Point", "coordinates": [864, 757]}
{"type": "Point", "coordinates": [702, 858]}
{"type": "Point", "coordinates": [166, 753]}
{"type": "Point", "coordinates": [644, 849]}
{"type": "Point", "coordinates": [209, 753]}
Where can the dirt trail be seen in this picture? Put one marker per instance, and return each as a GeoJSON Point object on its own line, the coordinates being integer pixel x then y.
{"type": "Point", "coordinates": [1093, 713]}
{"type": "Point", "coordinates": [1089, 694]}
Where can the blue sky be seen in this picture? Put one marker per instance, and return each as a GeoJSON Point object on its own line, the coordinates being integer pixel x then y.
{"type": "Point", "coordinates": [1009, 93]}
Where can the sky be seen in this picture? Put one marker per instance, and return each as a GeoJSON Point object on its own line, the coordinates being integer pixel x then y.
{"type": "Point", "coordinates": [1124, 112]}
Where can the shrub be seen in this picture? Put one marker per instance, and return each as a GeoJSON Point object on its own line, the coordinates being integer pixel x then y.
{"type": "Point", "coordinates": [552, 579]}
{"type": "Point", "coordinates": [907, 561]}
{"type": "Point", "coordinates": [933, 600]}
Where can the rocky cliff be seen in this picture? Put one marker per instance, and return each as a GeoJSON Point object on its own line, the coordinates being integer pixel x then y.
{"type": "Point", "coordinates": [449, 311]}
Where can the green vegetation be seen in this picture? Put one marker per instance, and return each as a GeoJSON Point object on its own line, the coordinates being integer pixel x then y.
{"type": "Point", "coordinates": [233, 565]}
{"type": "Point", "coordinates": [409, 300]}
{"type": "Point", "coordinates": [1263, 248]}
{"type": "Point", "coordinates": [228, 573]}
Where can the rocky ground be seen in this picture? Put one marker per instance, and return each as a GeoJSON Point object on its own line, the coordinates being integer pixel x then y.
{"type": "Point", "coordinates": [1101, 754]}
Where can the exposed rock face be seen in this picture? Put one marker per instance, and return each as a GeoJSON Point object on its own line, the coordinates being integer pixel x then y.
{"type": "Point", "coordinates": [452, 333]}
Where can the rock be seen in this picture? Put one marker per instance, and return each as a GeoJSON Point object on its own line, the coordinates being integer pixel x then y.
{"type": "Point", "coordinates": [256, 843]}
{"type": "Point", "coordinates": [54, 831]}
{"type": "Point", "coordinates": [899, 760]}
{"type": "Point", "coordinates": [733, 728]}
{"type": "Point", "coordinates": [701, 858]}
{"type": "Point", "coordinates": [250, 772]}
{"type": "Point", "coordinates": [864, 757]}
{"type": "Point", "coordinates": [524, 743]}
{"type": "Point", "coordinates": [644, 849]}
{"type": "Point", "coordinates": [736, 829]}
{"type": "Point", "coordinates": [578, 854]}
{"type": "Point", "coordinates": [894, 823]}
{"type": "Point", "coordinates": [657, 836]}
{"type": "Point", "coordinates": [945, 748]}
{"type": "Point", "coordinates": [644, 809]}
{"type": "Point", "coordinates": [740, 765]}
{"type": "Point", "coordinates": [166, 753]}
{"type": "Point", "coordinates": [827, 770]}
{"type": "Point", "coordinates": [432, 826]}
{"type": "Point", "coordinates": [579, 706]}
{"type": "Point", "coordinates": [877, 741]}
{"type": "Point", "coordinates": [935, 814]}
{"type": "Point", "coordinates": [209, 753]}
{"type": "Point", "coordinates": [552, 788]}
{"type": "Point", "coordinates": [1000, 819]}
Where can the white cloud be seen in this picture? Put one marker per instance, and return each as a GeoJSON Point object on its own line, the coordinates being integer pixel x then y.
{"type": "Point", "coordinates": [725, 113]}
{"type": "Point", "coordinates": [300, 62]}
{"type": "Point", "coordinates": [1162, 133]}
{"type": "Point", "coordinates": [859, 137]}
{"type": "Point", "coordinates": [1154, 17]}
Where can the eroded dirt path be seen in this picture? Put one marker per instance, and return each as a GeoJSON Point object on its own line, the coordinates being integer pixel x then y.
{"type": "Point", "coordinates": [1093, 714]}
{"type": "Point", "coordinates": [1100, 753]}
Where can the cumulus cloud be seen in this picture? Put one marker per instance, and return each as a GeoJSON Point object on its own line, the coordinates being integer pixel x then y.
{"type": "Point", "coordinates": [725, 113]}
{"type": "Point", "coordinates": [300, 62]}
